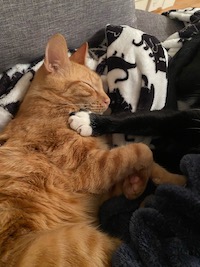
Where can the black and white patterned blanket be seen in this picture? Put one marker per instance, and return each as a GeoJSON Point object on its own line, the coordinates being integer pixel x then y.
{"type": "Point", "coordinates": [191, 20]}
{"type": "Point", "coordinates": [13, 86]}
{"type": "Point", "coordinates": [133, 67]}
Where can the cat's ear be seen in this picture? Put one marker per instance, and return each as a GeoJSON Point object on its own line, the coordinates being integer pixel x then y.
{"type": "Point", "coordinates": [56, 54]}
{"type": "Point", "coordinates": [80, 55]}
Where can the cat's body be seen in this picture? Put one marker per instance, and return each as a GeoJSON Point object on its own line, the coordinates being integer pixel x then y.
{"type": "Point", "coordinates": [51, 178]}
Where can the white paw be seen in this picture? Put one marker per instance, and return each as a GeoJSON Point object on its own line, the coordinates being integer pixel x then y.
{"type": "Point", "coordinates": [80, 122]}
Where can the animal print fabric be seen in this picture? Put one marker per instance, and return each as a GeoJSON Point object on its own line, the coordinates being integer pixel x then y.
{"type": "Point", "coordinates": [133, 66]}
{"type": "Point", "coordinates": [191, 20]}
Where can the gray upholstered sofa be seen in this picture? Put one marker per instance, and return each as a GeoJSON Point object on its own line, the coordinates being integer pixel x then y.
{"type": "Point", "coordinates": [26, 25]}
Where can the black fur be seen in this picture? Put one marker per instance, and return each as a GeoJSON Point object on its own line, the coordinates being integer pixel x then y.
{"type": "Point", "coordinates": [175, 133]}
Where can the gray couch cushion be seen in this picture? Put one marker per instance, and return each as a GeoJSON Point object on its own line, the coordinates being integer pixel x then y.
{"type": "Point", "coordinates": [27, 24]}
{"type": "Point", "coordinates": [157, 25]}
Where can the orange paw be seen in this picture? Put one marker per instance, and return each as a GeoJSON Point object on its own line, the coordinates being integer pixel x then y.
{"type": "Point", "coordinates": [134, 186]}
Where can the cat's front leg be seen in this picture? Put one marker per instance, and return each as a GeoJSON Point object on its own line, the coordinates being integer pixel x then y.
{"type": "Point", "coordinates": [102, 168]}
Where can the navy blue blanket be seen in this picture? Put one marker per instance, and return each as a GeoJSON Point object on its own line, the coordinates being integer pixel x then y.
{"type": "Point", "coordinates": [166, 232]}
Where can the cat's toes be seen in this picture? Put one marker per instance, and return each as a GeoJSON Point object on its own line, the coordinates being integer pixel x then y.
{"type": "Point", "coordinates": [134, 186]}
{"type": "Point", "coordinates": [80, 122]}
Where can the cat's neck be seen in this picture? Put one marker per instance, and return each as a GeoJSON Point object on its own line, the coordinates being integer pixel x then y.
{"type": "Point", "coordinates": [44, 106]}
{"type": "Point", "coordinates": [38, 115]}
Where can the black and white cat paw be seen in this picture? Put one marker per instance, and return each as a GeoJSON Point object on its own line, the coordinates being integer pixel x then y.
{"type": "Point", "coordinates": [80, 122]}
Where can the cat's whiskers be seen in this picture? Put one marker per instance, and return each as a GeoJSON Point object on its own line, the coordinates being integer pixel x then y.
{"type": "Point", "coordinates": [95, 108]}
{"type": "Point", "coordinates": [81, 104]}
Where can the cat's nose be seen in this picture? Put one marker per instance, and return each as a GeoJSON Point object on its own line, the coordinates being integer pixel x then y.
{"type": "Point", "coordinates": [106, 101]}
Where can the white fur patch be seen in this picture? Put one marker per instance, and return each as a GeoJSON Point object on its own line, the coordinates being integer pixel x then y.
{"type": "Point", "coordinates": [80, 122]}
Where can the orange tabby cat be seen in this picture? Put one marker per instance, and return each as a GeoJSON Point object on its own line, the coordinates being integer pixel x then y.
{"type": "Point", "coordinates": [50, 176]}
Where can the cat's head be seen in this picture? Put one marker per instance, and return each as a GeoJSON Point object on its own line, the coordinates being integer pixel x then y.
{"type": "Point", "coordinates": [66, 80]}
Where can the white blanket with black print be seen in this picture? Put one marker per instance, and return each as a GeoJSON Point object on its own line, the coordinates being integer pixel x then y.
{"type": "Point", "coordinates": [132, 64]}
{"type": "Point", "coordinates": [191, 26]}
{"type": "Point", "coordinates": [13, 86]}
{"type": "Point", "coordinates": [133, 67]}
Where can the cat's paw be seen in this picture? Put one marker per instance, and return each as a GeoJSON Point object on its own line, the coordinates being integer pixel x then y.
{"type": "Point", "coordinates": [80, 122]}
{"type": "Point", "coordinates": [134, 186]}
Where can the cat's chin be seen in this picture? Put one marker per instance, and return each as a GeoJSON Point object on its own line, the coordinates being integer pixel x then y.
{"type": "Point", "coordinates": [99, 111]}
{"type": "Point", "coordinates": [95, 112]}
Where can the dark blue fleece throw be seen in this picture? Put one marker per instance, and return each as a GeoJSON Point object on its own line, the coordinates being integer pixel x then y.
{"type": "Point", "coordinates": [166, 232]}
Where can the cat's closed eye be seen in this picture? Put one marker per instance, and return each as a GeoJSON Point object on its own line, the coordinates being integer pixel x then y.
{"type": "Point", "coordinates": [88, 84]}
